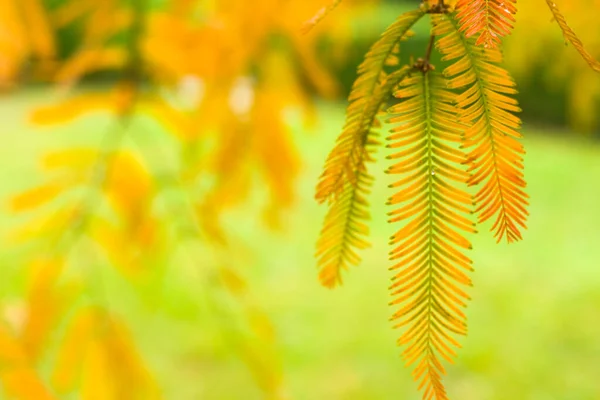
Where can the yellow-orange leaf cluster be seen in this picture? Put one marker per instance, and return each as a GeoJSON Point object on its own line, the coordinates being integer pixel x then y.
{"type": "Point", "coordinates": [490, 20]}
{"type": "Point", "coordinates": [218, 86]}
{"type": "Point", "coordinates": [98, 351]}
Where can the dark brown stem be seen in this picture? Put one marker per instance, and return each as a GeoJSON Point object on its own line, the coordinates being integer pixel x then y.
{"type": "Point", "coordinates": [423, 64]}
{"type": "Point", "coordinates": [430, 47]}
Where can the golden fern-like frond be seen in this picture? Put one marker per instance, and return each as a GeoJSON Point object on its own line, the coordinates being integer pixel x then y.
{"type": "Point", "coordinates": [344, 230]}
{"type": "Point", "coordinates": [345, 180]}
{"type": "Point", "coordinates": [344, 162]}
{"type": "Point", "coordinates": [488, 109]}
{"type": "Point", "coordinates": [572, 37]}
{"type": "Point", "coordinates": [490, 19]}
{"type": "Point", "coordinates": [429, 262]}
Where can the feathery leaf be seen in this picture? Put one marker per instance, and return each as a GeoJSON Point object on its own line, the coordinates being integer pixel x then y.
{"type": "Point", "coordinates": [345, 179]}
{"type": "Point", "coordinates": [344, 230]}
{"type": "Point", "coordinates": [490, 19]}
{"type": "Point", "coordinates": [572, 37]}
{"type": "Point", "coordinates": [345, 160]}
{"type": "Point", "coordinates": [487, 107]}
{"type": "Point", "coordinates": [427, 250]}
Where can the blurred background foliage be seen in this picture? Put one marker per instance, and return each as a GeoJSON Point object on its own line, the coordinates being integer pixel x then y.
{"type": "Point", "coordinates": [556, 86]}
{"type": "Point", "coordinates": [158, 168]}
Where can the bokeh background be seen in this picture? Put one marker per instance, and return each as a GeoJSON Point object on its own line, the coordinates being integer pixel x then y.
{"type": "Point", "coordinates": [157, 171]}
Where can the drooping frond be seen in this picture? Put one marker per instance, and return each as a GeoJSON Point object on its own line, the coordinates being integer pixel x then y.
{"type": "Point", "coordinates": [345, 160]}
{"type": "Point", "coordinates": [487, 107]}
{"type": "Point", "coordinates": [319, 16]}
{"type": "Point", "coordinates": [489, 19]}
{"type": "Point", "coordinates": [344, 230]}
{"type": "Point", "coordinates": [428, 250]}
{"type": "Point", "coordinates": [572, 37]}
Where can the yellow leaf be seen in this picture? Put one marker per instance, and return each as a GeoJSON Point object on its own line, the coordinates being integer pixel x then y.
{"type": "Point", "coordinates": [91, 60]}
{"type": "Point", "coordinates": [14, 45]}
{"type": "Point", "coordinates": [37, 196]}
{"type": "Point", "coordinates": [23, 383]}
{"type": "Point", "coordinates": [38, 28]}
{"type": "Point", "coordinates": [69, 11]}
{"type": "Point", "coordinates": [275, 151]}
{"type": "Point", "coordinates": [129, 186]}
{"type": "Point", "coordinates": [490, 20]}
{"type": "Point", "coordinates": [261, 325]}
{"type": "Point", "coordinates": [73, 349]}
{"type": "Point", "coordinates": [261, 364]}
{"type": "Point", "coordinates": [126, 245]}
{"type": "Point", "coordinates": [130, 375]}
{"type": "Point", "coordinates": [19, 380]}
{"type": "Point", "coordinates": [97, 382]}
{"type": "Point", "coordinates": [47, 301]}
{"type": "Point", "coordinates": [98, 347]}
{"type": "Point", "coordinates": [233, 281]}
{"type": "Point", "coordinates": [72, 108]}
{"type": "Point", "coordinates": [112, 369]}
{"type": "Point", "coordinates": [175, 121]}
{"type": "Point", "coordinates": [11, 352]}
{"type": "Point", "coordinates": [76, 158]}
{"type": "Point", "coordinates": [37, 228]}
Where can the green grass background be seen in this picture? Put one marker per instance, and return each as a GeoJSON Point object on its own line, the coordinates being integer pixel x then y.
{"type": "Point", "coordinates": [534, 321]}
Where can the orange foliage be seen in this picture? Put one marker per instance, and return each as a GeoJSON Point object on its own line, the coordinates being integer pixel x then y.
{"type": "Point", "coordinates": [24, 32]}
{"type": "Point", "coordinates": [490, 20]}
{"type": "Point", "coordinates": [98, 350]}
{"type": "Point", "coordinates": [218, 87]}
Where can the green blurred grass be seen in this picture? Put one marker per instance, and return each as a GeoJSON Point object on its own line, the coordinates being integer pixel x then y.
{"type": "Point", "coordinates": [534, 320]}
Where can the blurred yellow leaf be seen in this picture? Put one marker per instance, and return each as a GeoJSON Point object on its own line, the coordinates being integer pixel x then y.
{"type": "Point", "coordinates": [39, 227]}
{"type": "Point", "coordinates": [127, 246]}
{"type": "Point", "coordinates": [37, 196]}
{"type": "Point", "coordinates": [100, 348]}
{"type": "Point", "coordinates": [261, 365]}
{"type": "Point", "coordinates": [19, 380]}
{"type": "Point", "coordinates": [175, 121]}
{"type": "Point", "coordinates": [129, 186]}
{"type": "Point", "coordinates": [76, 158]}
{"type": "Point", "coordinates": [233, 281]}
{"type": "Point", "coordinates": [106, 19]}
{"type": "Point", "coordinates": [11, 352]}
{"type": "Point", "coordinates": [96, 381]}
{"type": "Point", "coordinates": [38, 28]}
{"type": "Point", "coordinates": [72, 108]}
{"type": "Point", "coordinates": [23, 383]}
{"type": "Point", "coordinates": [262, 325]}
{"type": "Point", "coordinates": [91, 60]}
{"type": "Point", "coordinates": [14, 45]}
{"type": "Point", "coordinates": [319, 76]}
{"type": "Point", "coordinates": [72, 351]}
{"type": "Point", "coordinates": [46, 302]}
{"type": "Point", "coordinates": [275, 151]}
{"type": "Point", "coordinates": [69, 11]}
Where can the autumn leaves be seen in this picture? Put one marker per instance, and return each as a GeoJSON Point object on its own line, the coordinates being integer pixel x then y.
{"type": "Point", "coordinates": [449, 130]}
